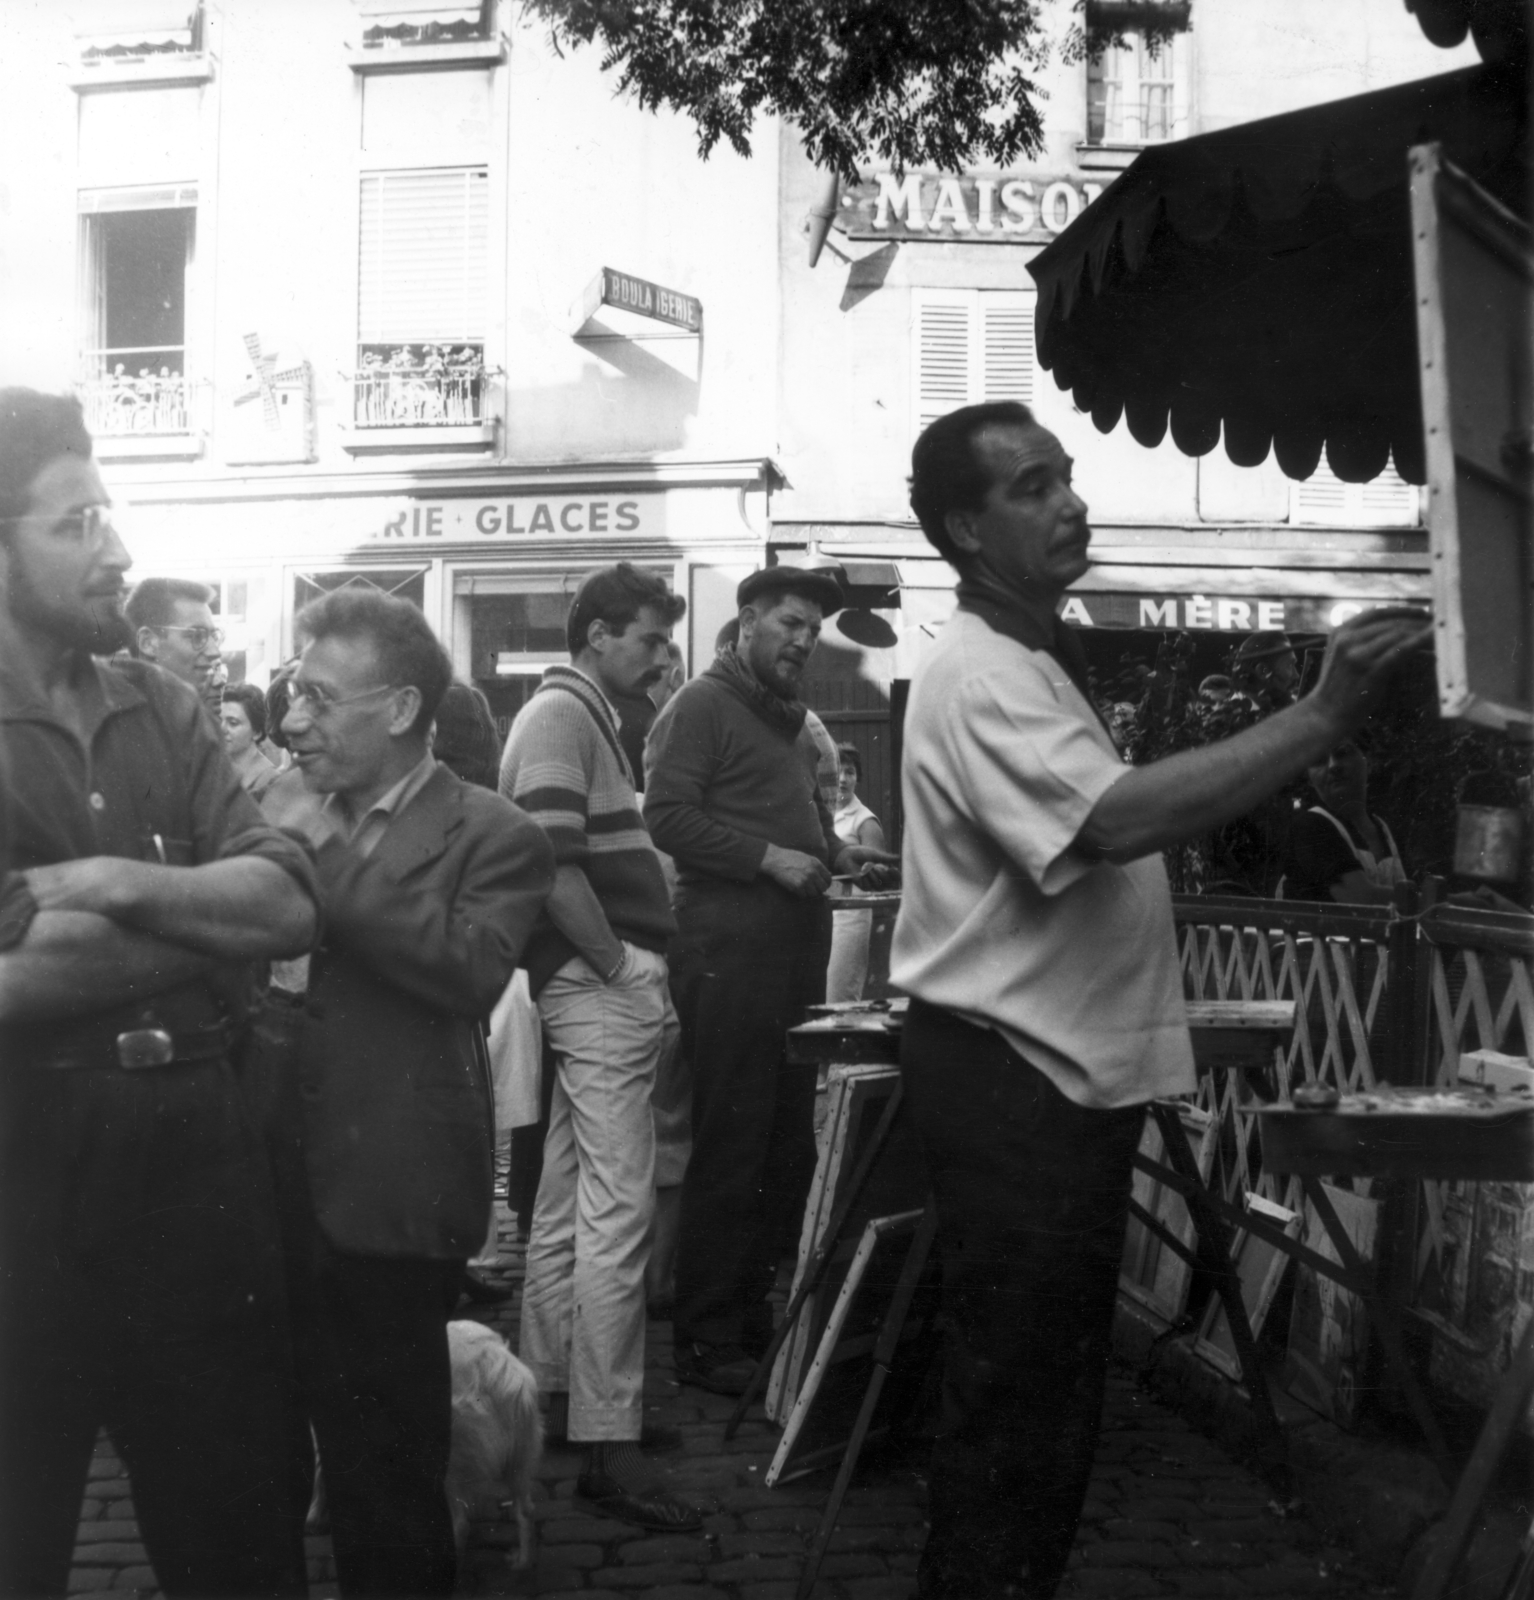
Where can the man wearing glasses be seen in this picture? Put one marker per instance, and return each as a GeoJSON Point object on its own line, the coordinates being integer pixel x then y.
{"type": "Point", "coordinates": [172, 623]}
{"type": "Point", "coordinates": [431, 889]}
{"type": "Point", "coordinates": [139, 1281]}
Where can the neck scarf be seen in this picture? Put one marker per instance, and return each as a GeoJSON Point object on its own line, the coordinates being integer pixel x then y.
{"type": "Point", "coordinates": [785, 715]}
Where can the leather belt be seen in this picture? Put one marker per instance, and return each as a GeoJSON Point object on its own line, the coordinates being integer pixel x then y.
{"type": "Point", "coordinates": [137, 1049]}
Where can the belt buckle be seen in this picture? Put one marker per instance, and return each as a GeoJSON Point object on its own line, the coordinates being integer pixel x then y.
{"type": "Point", "coordinates": [145, 1047]}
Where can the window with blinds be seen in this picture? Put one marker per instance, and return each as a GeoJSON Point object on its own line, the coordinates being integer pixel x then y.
{"type": "Point", "coordinates": [421, 291]}
{"type": "Point", "coordinates": [1324, 500]}
{"type": "Point", "coordinates": [970, 345]}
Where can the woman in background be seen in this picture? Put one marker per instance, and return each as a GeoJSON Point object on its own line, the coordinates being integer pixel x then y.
{"type": "Point", "coordinates": [851, 929]}
{"type": "Point", "coordinates": [242, 717]}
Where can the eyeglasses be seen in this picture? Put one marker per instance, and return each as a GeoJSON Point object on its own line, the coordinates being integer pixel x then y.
{"type": "Point", "coordinates": [322, 702]}
{"type": "Point", "coordinates": [199, 635]}
{"type": "Point", "coordinates": [90, 525]}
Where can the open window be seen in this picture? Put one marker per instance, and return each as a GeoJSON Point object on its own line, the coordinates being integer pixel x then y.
{"type": "Point", "coordinates": [137, 248]}
{"type": "Point", "coordinates": [1136, 95]}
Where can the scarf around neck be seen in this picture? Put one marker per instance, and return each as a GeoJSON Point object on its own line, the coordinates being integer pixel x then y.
{"type": "Point", "coordinates": [785, 715]}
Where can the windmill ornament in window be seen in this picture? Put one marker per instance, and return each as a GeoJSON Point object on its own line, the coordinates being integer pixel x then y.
{"type": "Point", "coordinates": [281, 426]}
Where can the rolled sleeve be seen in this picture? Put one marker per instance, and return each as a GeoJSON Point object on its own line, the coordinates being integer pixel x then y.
{"type": "Point", "coordinates": [1034, 767]}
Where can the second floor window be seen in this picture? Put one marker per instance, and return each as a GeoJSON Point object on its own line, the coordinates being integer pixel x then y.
{"type": "Point", "coordinates": [421, 298]}
{"type": "Point", "coordinates": [137, 250]}
{"type": "Point", "coordinates": [1132, 94]}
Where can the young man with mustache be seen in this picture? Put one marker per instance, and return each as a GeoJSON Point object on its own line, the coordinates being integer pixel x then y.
{"type": "Point", "coordinates": [597, 968]}
{"type": "Point", "coordinates": [139, 1281]}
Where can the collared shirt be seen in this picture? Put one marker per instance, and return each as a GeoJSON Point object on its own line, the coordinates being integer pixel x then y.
{"type": "Point", "coordinates": [1002, 920]}
{"type": "Point", "coordinates": [151, 781]}
{"type": "Point", "coordinates": [364, 835]}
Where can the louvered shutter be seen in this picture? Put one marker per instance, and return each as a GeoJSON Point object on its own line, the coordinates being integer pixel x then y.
{"type": "Point", "coordinates": [942, 355]}
{"type": "Point", "coordinates": [1006, 347]}
{"type": "Point", "coordinates": [1387, 501]}
{"type": "Point", "coordinates": [421, 273]}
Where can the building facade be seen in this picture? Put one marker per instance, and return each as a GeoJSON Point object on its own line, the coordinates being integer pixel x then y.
{"type": "Point", "coordinates": [921, 302]}
{"type": "Point", "coordinates": [357, 291]}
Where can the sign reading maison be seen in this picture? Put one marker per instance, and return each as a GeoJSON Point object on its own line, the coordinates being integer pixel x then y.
{"type": "Point", "coordinates": [996, 208]}
{"type": "Point", "coordinates": [646, 299]}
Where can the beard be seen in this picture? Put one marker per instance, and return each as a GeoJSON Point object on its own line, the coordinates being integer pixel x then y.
{"type": "Point", "coordinates": [102, 629]}
{"type": "Point", "coordinates": [95, 626]}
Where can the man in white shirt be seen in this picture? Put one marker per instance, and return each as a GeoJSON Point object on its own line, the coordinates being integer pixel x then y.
{"type": "Point", "coordinates": [1036, 941]}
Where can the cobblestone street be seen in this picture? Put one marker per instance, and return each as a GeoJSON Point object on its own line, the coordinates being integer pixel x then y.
{"type": "Point", "coordinates": [1168, 1514]}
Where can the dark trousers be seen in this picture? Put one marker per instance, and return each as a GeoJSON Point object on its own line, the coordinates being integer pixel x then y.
{"type": "Point", "coordinates": [748, 960]}
{"type": "Point", "coordinates": [1032, 1193]}
{"type": "Point", "coordinates": [375, 1382]}
{"type": "Point", "coordinates": [140, 1290]}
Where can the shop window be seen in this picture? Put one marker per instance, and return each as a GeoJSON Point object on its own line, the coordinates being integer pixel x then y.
{"type": "Point", "coordinates": [421, 298]}
{"type": "Point", "coordinates": [971, 345]}
{"type": "Point", "coordinates": [1324, 500]}
{"type": "Point", "coordinates": [136, 262]}
{"type": "Point", "coordinates": [409, 583]}
{"type": "Point", "coordinates": [1134, 94]}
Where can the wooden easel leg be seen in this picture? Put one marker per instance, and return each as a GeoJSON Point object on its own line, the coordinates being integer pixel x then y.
{"type": "Point", "coordinates": [1511, 1400]}
{"type": "Point", "coordinates": [1384, 1320]}
{"type": "Point", "coordinates": [884, 1354]}
{"type": "Point", "coordinates": [818, 1262]}
{"type": "Point", "coordinates": [1214, 1246]}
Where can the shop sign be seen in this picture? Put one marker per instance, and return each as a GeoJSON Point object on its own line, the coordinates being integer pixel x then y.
{"type": "Point", "coordinates": [979, 208]}
{"type": "Point", "coordinates": [625, 292]}
{"type": "Point", "coordinates": [484, 521]}
{"type": "Point", "coordinates": [1214, 613]}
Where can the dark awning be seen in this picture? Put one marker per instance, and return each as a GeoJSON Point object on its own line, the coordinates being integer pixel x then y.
{"type": "Point", "coordinates": [1261, 277]}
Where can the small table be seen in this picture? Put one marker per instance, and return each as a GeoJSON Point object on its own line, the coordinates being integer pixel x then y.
{"type": "Point", "coordinates": [1442, 1134]}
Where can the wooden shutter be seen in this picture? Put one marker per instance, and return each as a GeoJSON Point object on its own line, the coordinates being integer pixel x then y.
{"type": "Point", "coordinates": [1006, 353]}
{"type": "Point", "coordinates": [942, 353]}
{"type": "Point", "coordinates": [421, 262]}
{"type": "Point", "coordinates": [1387, 501]}
{"type": "Point", "coordinates": [971, 345]}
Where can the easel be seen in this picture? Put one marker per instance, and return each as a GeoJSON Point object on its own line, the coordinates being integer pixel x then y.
{"type": "Point", "coordinates": [1398, 1136]}
{"type": "Point", "coordinates": [1229, 1035]}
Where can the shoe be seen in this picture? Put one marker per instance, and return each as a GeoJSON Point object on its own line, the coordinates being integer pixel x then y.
{"type": "Point", "coordinates": [719, 1368]}
{"type": "Point", "coordinates": [651, 1509]}
{"type": "Point", "coordinates": [478, 1292]}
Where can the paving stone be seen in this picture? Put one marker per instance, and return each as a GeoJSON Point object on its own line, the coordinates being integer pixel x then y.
{"type": "Point", "coordinates": [107, 1528]}
{"type": "Point", "coordinates": [762, 1544]}
{"type": "Point", "coordinates": [752, 1569]}
{"type": "Point", "coordinates": [572, 1555]}
{"type": "Point", "coordinates": [664, 1547]}
{"type": "Point", "coordinates": [654, 1575]}
{"type": "Point", "coordinates": [109, 1554]}
{"type": "Point", "coordinates": [82, 1580]}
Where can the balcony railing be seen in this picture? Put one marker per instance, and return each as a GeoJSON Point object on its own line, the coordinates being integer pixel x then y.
{"type": "Point", "coordinates": [137, 391]}
{"type": "Point", "coordinates": [420, 386]}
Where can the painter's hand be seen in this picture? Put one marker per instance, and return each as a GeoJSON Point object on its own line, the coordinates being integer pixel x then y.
{"type": "Point", "coordinates": [1361, 658]}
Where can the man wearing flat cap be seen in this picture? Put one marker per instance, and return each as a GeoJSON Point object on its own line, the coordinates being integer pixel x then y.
{"type": "Point", "coordinates": [732, 798]}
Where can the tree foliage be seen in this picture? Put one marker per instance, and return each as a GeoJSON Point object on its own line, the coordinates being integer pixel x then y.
{"type": "Point", "coordinates": [915, 83]}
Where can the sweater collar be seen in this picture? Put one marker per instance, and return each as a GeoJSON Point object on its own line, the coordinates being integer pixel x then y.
{"type": "Point", "coordinates": [787, 716]}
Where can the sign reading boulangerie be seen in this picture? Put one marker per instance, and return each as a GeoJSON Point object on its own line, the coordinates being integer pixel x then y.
{"type": "Point", "coordinates": [625, 292]}
{"type": "Point", "coordinates": [980, 208]}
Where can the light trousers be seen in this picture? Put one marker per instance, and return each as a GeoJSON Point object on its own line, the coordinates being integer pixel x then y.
{"type": "Point", "coordinates": [583, 1306]}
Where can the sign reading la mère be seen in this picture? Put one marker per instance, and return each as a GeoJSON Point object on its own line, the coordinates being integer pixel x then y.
{"type": "Point", "coordinates": [980, 208]}
{"type": "Point", "coordinates": [474, 521]}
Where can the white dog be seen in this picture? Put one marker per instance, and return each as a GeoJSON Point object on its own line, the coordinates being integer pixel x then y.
{"type": "Point", "coordinates": [497, 1432]}
{"type": "Point", "coordinates": [497, 1436]}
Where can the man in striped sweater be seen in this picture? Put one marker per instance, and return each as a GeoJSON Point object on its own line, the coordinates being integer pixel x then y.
{"type": "Point", "coordinates": [597, 967]}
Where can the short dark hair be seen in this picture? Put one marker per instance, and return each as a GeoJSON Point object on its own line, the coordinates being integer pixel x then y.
{"type": "Point", "coordinates": [34, 430]}
{"type": "Point", "coordinates": [466, 740]}
{"type": "Point", "coordinates": [254, 702]}
{"type": "Point", "coordinates": [279, 695]}
{"type": "Point", "coordinates": [153, 601]}
{"type": "Point", "coordinates": [616, 595]}
{"type": "Point", "coordinates": [728, 636]}
{"type": "Point", "coordinates": [409, 653]}
{"type": "Point", "coordinates": [847, 756]}
{"type": "Point", "coordinates": [946, 474]}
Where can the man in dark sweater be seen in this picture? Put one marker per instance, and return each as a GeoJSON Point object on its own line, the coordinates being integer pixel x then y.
{"type": "Point", "coordinates": [732, 798]}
